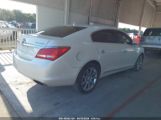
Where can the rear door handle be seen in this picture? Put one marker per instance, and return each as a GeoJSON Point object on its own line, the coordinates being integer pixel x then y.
{"type": "Point", "coordinates": [103, 51]}
{"type": "Point", "coordinates": [125, 51]}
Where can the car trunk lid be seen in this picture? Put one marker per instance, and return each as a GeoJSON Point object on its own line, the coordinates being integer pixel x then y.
{"type": "Point", "coordinates": [152, 36]}
{"type": "Point", "coordinates": [151, 40]}
{"type": "Point", "coordinates": [29, 45]}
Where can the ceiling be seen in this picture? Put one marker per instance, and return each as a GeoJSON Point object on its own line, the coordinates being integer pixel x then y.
{"type": "Point", "coordinates": [157, 2]}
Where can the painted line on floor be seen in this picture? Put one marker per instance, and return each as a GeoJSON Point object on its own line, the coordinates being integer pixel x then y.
{"type": "Point", "coordinates": [133, 97]}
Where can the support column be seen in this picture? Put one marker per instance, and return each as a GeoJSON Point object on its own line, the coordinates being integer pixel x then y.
{"type": "Point", "coordinates": [141, 16]}
{"type": "Point", "coordinates": [66, 12]}
{"type": "Point", "coordinates": [37, 22]}
{"type": "Point", "coordinates": [90, 12]}
{"type": "Point", "coordinates": [116, 22]}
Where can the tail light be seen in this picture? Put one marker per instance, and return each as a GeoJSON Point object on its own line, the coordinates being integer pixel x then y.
{"type": "Point", "coordinates": [52, 53]}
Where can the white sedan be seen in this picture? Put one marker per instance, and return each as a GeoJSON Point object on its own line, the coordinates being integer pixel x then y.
{"type": "Point", "coordinates": [74, 55]}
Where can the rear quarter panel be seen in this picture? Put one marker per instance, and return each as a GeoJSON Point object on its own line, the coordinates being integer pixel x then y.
{"type": "Point", "coordinates": [82, 48]}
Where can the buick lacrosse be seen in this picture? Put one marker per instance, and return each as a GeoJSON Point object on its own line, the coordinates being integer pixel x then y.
{"type": "Point", "coordinates": [76, 55]}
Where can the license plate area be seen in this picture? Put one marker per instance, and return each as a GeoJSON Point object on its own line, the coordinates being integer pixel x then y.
{"type": "Point", "coordinates": [25, 52]}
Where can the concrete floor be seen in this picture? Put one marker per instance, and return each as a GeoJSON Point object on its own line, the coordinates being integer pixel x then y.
{"type": "Point", "coordinates": [126, 94]}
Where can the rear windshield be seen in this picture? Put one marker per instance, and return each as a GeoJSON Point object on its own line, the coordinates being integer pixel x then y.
{"type": "Point", "coordinates": [61, 31]}
{"type": "Point", "coordinates": [153, 32]}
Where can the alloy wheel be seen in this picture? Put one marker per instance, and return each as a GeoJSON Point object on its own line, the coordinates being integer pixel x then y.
{"type": "Point", "coordinates": [89, 79]}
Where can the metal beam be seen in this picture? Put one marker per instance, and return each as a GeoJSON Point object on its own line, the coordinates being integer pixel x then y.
{"type": "Point", "coordinates": [118, 2]}
{"type": "Point", "coordinates": [153, 18]}
{"type": "Point", "coordinates": [37, 29]}
{"type": "Point", "coordinates": [151, 3]}
{"type": "Point", "coordinates": [141, 16]}
{"type": "Point", "coordinates": [66, 11]}
{"type": "Point", "coordinates": [90, 12]}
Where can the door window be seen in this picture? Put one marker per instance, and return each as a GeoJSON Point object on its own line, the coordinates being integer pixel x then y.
{"type": "Point", "coordinates": [105, 36]}
{"type": "Point", "coordinates": [123, 38]}
{"type": "Point", "coordinates": [111, 36]}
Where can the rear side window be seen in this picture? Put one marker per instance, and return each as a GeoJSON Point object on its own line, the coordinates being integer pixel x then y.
{"type": "Point", "coordinates": [61, 31]}
{"type": "Point", "coordinates": [152, 32]}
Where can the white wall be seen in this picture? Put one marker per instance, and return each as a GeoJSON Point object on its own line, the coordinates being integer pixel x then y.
{"type": "Point", "coordinates": [79, 11]}
{"type": "Point", "coordinates": [49, 17]}
{"type": "Point", "coordinates": [51, 12]}
{"type": "Point", "coordinates": [103, 12]}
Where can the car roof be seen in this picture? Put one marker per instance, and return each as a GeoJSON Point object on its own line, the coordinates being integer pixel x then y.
{"type": "Point", "coordinates": [94, 26]}
{"type": "Point", "coordinates": [87, 28]}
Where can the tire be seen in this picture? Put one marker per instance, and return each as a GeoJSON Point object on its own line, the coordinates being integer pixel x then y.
{"type": "Point", "coordinates": [87, 78]}
{"type": "Point", "coordinates": [139, 63]}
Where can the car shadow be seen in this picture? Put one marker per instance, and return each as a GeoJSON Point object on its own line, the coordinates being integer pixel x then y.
{"type": "Point", "coordinates": [68, 102]}
{"type": "Point", "coordinates": [50, 99]}
{"type": "Point", "coordinates": [56, 101]}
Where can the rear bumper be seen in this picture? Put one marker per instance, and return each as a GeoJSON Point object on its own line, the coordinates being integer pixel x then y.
{"type": "Point", "coordinates": [46, 72]}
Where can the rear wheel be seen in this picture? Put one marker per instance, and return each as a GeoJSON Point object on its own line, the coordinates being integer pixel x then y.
{"type": "Point", "coordinates": [87, 78]}
{"type": "Point", "coordinates": [139, 63]}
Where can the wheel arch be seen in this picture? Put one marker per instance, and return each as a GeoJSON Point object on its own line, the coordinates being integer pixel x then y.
{"type": "Point", "coordinates": [93, 62]}
{"type": "Point", "coordinates": [90, 62]}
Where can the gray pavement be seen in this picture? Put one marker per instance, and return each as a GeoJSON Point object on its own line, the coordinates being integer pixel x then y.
{"type": "Point", "coordinates": [126, 94]}
{"type": "Point", "coordinates": [6, 111]}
